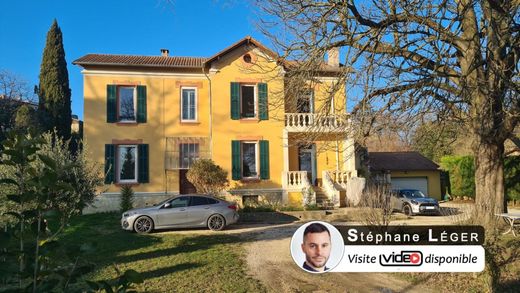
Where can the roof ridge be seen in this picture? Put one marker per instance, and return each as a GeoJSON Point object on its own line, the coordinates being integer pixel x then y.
{"type": "Point", "coordinates": [133, 55]}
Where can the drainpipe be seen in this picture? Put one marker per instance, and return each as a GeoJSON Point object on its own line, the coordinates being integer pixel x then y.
{"type": "Point", "coordinates": [210, 115]}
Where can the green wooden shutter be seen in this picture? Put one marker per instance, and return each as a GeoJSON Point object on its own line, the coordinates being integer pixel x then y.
{"type": "Point", "coordinates": [143, 165]}
{"type": "Point", "coordinates": [141, 104]}
{"type": "Point", "coordinates": [110, 166]}
{"type": "Point", "coordinates": [235, 100]}
{"type": "Point", "coordinates": [236, 166]}
{"type": "Point", "coordinates": [264, 159]}
{"type": "Point", "coordinates": [111, 103]}
{"type": "Point", "coordinates": [262, 102]}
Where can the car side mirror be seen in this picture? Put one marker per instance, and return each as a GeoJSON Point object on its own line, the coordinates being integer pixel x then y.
{"type": "Point", "coordinates": [167, 205]}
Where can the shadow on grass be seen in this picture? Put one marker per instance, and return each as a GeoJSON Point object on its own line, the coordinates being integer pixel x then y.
{"type": "Point", "coordinates": [187, 244]}
{"type": "Point", "coordinates": [510, 286]}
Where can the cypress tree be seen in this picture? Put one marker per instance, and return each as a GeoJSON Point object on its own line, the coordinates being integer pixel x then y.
{"type": "Point", "coordinates": [53, 91]}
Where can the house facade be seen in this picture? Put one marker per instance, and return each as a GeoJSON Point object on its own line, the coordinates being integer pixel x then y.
{"type": "Point", "coordinates": [148, 118]}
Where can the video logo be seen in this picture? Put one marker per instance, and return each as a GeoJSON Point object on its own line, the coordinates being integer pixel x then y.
{"type": "Point", "coordinates": [403, 259]}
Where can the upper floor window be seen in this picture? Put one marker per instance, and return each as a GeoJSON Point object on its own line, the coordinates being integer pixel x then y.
{"type": "Point", "coordinates": [248, 101]}
{"type": "Point", "coordinates": [126, 103]}
{"type": "Point", "coordinates": [189, 104]}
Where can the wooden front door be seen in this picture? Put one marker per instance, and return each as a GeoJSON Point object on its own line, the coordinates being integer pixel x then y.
{"type": "Point", "coordinates": [185, 186]}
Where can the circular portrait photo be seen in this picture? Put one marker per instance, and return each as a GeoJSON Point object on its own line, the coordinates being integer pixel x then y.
{"type": "Point", "coordinates": [317, 247]}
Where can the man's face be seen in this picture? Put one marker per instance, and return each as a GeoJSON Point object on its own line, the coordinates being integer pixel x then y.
{"type": "Point", "coordinates": [316, 247]}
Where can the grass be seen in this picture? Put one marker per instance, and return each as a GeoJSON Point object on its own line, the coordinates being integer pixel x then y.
{"type": "Point", "coordinates": [167, 261]}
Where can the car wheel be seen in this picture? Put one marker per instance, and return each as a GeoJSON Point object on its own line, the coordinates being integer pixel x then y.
{"type": "Point", "coordinates": [143, 225]}
{"type": "Point", "coordinates": [216, 222]}
{"type": "Point", "coordinates": [407, 210]}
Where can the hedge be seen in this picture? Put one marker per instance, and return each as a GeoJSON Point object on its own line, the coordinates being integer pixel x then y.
{"type": "Point", "coordinates": [461, 171]}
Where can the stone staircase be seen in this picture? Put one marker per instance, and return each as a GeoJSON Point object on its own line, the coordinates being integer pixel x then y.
{"type": "Point", "coordinates": [322, 199]}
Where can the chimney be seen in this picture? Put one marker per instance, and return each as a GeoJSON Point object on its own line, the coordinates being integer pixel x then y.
{"type": "Point", "coordinates": [333, 57]}
{"type": "Point", "coordinates": [165, 52]}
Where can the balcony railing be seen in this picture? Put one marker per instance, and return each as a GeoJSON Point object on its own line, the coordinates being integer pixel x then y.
{"type": "Point", "coordinates": [311, 122]}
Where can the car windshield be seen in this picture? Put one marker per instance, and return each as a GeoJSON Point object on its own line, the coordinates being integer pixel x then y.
{"type": "Point", "coordinates": [413, 194]}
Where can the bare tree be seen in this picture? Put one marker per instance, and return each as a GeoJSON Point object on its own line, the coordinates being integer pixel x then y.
{"type": "Point", "coordinates": [13, 87]}
{"type": "Point", "coordinates": [452, 60]}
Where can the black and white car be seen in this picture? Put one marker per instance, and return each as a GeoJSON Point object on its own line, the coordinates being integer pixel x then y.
{"type": "Point", "coordinates": [185, 211]}
{"type": "Point", "coordinates": [413, 201]}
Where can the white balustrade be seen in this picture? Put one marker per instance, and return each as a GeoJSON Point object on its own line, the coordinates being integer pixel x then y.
{"type": "Point", "coordinates": [340, 177]}
{"type": "Point", "coordinates": [330, 189]}
{"type": "Point", "coordinates": [316, 122]}
{"type": "Point", "coordinates": [295, 180]}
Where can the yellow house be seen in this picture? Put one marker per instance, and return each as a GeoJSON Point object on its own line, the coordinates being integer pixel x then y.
{"type": "Point", "coordinates": [147, 118]}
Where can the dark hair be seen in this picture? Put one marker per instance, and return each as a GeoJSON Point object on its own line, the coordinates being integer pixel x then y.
{"type": "Point", "coordinates": [315, 228]}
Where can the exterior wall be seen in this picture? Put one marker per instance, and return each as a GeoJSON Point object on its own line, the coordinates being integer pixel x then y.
{"type": "Point", "coordinates": [434, 180]}
{"type": "Point", "coordinates": [295, 199]}
{"type": "Point", "coordinates": [231, 68]}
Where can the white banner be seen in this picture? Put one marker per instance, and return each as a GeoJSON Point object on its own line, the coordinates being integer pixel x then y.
{"type": "Point", "coordinates": [411, 258]}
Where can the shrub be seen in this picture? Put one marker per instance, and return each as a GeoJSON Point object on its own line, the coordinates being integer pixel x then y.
{"type": "Point", "coordinates": [462, 175]}
{"type": "Point", "coordinates": [127, 198]}
{"type": "Point", "coordinates": [461, 170]}
{"type": "Point", "coordinates": [207, 177]}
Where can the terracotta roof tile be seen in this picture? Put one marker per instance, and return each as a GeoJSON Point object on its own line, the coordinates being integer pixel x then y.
{"type": "Point", "coordinates": [146, 61]}
{"type": "Point", "coordinates": [400, 161]}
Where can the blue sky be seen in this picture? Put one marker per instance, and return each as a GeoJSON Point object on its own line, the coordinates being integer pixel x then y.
{"type": "Point", "coordinates": [141, 27]}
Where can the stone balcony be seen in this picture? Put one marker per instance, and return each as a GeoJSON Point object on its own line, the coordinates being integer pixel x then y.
{"type": "Point", "coordinates": [311, 122]}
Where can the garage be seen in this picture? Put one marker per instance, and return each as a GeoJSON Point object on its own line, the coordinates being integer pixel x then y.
{"type": "Point", "coordinates": [406, 170]}
{"type": "Point", "coordinates": [419, 183]}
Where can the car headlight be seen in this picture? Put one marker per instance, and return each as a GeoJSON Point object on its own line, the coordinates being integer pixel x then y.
{"type": "Point", "coordinates": [414, 202]}
{"type": "Point", "coordinates": [128, 214]}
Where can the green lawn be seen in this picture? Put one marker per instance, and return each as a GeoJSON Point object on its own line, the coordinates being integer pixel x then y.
{"type": "Point", "coordinates": [168, 261]}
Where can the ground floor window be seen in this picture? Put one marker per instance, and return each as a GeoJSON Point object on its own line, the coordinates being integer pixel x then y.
{"type": "Point", "coordinates": [189, 153]}
{"type": "Point", "coordinates": [250, 200]}
{"type": "Point", "coordinates": [249, 159]}
{"type": "Point", "coordinates": [127, 163]}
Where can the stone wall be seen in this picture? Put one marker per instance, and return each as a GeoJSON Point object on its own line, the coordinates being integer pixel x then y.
{"type": "Point", "coordinates": [109, 202]}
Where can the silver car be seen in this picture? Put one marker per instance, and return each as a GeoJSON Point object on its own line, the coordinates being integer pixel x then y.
{"type": "Point", "coordinates": [413, 201]}
{"type": "Point", "coordinates": [182, 212]}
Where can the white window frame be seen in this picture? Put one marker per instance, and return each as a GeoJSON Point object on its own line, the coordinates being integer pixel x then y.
{"type": "Point", "coordinates": [119, 163]}
{"type": "Point", "coordinates": [255, 98]}
{"type": "Point", "coordinates": [196, 101]}
{"type": "Point", "coordinates": [181, 153]}
{"type": "Point", "coordinates": [257, 159]}
{"type": "Point", "coordinates": [119, 104]}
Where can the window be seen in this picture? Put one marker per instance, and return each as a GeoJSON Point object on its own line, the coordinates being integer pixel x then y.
{"type": "Point", "coordinates": [127, 103]}
{"type": "Point", "coordinates": [189, 104]}
{"type": "Point", "coordinates": [198, 201]}
{"type": "Point", "coordinates": [305, 102]}
{"type": "Point", "coordinates": [180, 202]}
{"type": "Point", "coordinates": [127, 163]}
{"type": "Point", "coordinates": [247, 101]}
{"type": "Point", "coordinates": [189, 152]}
{"type": "Point", "coordinates": [249, 160]}
{"type": "Point", "coordinates": [247, 58]}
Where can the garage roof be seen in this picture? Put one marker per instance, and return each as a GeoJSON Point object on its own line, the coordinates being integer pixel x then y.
{"type": "Point", "coordinates": [400, 161]}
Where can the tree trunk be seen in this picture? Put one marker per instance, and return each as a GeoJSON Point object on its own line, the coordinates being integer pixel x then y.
{"type": "Point", "coordinates": [489, 179]}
